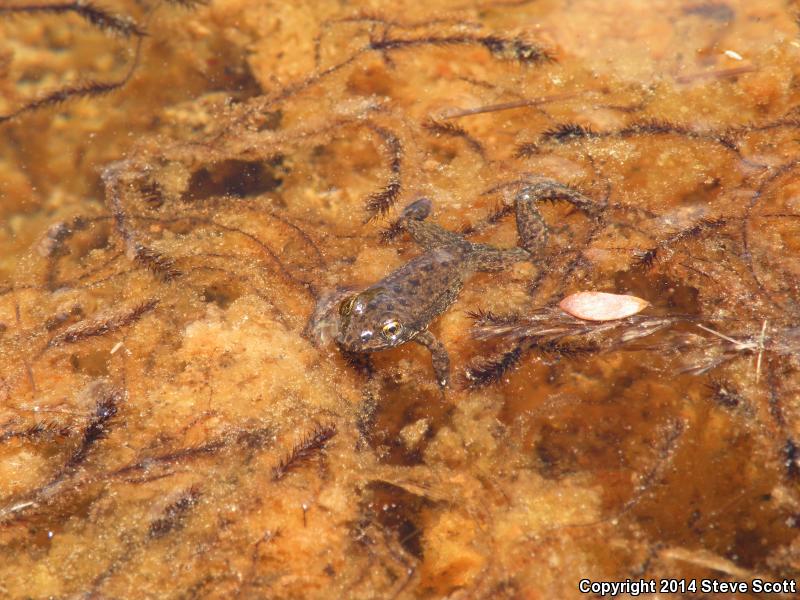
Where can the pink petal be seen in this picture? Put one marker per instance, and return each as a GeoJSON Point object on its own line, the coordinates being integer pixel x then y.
{"type": "Point", "coordinates": [600, 306]}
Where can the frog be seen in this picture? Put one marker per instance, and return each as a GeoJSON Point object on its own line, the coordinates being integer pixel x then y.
{"type": "Point", "coordinates": [400, 307]}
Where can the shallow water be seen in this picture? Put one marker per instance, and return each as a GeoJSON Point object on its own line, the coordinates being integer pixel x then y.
{"type": "Point", "coordinates": [170, 424]}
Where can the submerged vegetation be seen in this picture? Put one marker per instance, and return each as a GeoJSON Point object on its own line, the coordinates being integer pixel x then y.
{"type": "Point", "coordinates": [186, 188]}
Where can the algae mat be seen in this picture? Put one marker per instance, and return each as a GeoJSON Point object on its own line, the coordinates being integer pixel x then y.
{"type": "Point", "coordinates": [186, 186]}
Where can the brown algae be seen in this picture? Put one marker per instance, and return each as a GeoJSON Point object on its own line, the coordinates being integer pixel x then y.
{"type": "Point", "coordinates": [176, 206]}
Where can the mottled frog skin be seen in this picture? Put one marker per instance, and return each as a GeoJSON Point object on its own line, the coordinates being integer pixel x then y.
{"type": "Point", "coordinates": [400, 307]}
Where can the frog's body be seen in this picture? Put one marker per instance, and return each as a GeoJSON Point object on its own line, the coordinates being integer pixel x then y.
{"type": "Point", "coordinates": [400, 307]}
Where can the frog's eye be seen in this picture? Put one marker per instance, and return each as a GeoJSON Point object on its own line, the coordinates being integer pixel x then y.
{"type": "Point", "coordinates": [347, 306]}
{"type": "Point", "coordinates": [391, 329]}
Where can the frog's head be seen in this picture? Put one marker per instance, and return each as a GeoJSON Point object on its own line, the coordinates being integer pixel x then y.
{"type": "Point", "coordinates": [371, 321]}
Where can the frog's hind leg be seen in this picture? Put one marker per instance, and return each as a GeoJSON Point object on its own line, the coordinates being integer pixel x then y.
{"type": "Point", "coordinates": [531, 227]}
{"type": "Point", "coordinates": [439, 357]}
{"type": "Point", "coordinates": [489, 259]}
{"type": "Point", "coordinates": [427, 235]}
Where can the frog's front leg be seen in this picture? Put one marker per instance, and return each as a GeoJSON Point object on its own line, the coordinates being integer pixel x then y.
{"type": "Point", "coordinates": [531, 227]}
{"type": "Point", "coordinates": [439, 358]}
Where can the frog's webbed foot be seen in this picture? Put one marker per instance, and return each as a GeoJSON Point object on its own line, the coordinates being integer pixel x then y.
{"type": "Point", "coordinates": [439, 358]}
{"type": "Point", "coordinates": [531, 227]}
{"type": "Point", "coordinates": [419, 210]}
{"type": "Point", "coordinates": [427, 235]}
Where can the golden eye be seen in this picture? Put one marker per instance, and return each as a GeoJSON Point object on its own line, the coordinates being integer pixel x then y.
{"type": "Point", "coordinates": [391, 329]}
{"type": "Point", "coordinates": [346, 306]}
